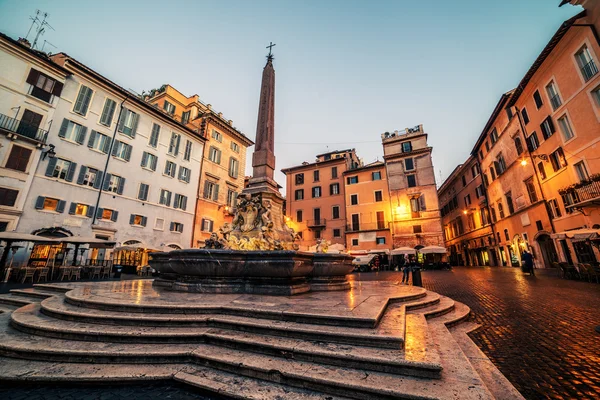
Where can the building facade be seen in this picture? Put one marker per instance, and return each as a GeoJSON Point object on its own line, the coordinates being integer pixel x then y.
{"type": "Point", "coordinates": [416, 220]}
{"type": "Point", "coordinates": [368, 212]}
{"type": "Point", "coordinates": [223, 160]}
{"type": "Point", "coordinates": [30, 89]}
{"type": "Point", "coordinates": [466, 221]}
{"type": "Point", "coordinates": [315, 201]}
{"type": "Point", "coordinates": [558, 103]}
{"type": "Point", "coordinates": [122, 170]}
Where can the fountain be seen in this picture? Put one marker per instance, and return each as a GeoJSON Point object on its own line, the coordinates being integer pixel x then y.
{"type": "Point", "coordinates": [257, 252]}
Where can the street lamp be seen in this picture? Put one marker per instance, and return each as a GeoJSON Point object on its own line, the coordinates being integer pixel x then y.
{"type": "Point", "coordinates": [542, 157]}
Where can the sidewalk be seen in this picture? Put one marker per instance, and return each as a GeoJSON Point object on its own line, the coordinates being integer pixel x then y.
{"type": "Point", "coordinates": [7, 287]}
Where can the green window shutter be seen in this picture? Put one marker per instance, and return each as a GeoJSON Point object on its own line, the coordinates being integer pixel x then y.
{"type": "Point", "coordinates": [134, 125]}
{"type": "Point", "coordinates": [60, 206]}
{"type": "Point", "coordinates": [184, 205]}
{"type": "Point", "coordinates": [172, 226]}
{"type": "Point", "coordinates": [87, 99]}
{"type": "Point", "coordinates": [122, 119]}
{"type": "Point", "coordinates": [177, 144]}
{"type": "Point", "coordinates": [72, 208]}
{"type": "Point", "coordinates": [79, 101]}
{"type": "Point", "coordinates": [81, 177]}
{"type": "Point", "coordinates": [422, 203]}
{"type": "Point", "coordinates": [107, 181]}
{"type": "Point", "coordinates": [176, 200]}
{"type": "Point", "coordinates": [144, 221]}
{"type": "Point", "coordinates": [216, 193]}
{"type": "Point", "coordinates": [51, 166]}
{"type": "Point", "coordinates": [206, 193]}
{"type": "Point", "coordinates": [90, 211]}
{"type": "Point", "coordinates": [39, 202]}
{"type": "Point", "coordinates": [99, 212]}
{"type": "Point", "coordinates": [63, 128]}
{"type": "Point", "coordinates": [144, 159]}
{"type": "Point", "coordinates": [131, 219]}
{"type": "Point", "coordinates": [154, 161]}
{"type": "Point", "coordinates": [116, 147]}
{"type": "Point", "coordinates": [180, 228]}
{"type": "Point", "coordinates": [121, 185]}
{"type": "Point", "coordinates": [114, 216]}
{"type": "Point", "coordinates": [168, 199]}
{"type": "Point", "coordinates": [107, 144]}
{"type": "Point", "coordinates": [92, 138]}
{"type": "Point", "coordinates": [111, 113]}
{"type": "Point", "coordinates": [127, 152]}
{"type": "Point", "coordinates": [81, 134]}
{"type": "Point", "coordinates": [71, 172]}
{"type": "Point", "coordinates": [98, 180]}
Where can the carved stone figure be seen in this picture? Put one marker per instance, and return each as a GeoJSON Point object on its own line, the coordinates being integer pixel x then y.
{"type": "Point", "coordinates": [213, 242]}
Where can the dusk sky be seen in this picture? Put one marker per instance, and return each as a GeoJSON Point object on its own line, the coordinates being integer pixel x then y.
{"type": "Point", "coordinates": [346, 71]}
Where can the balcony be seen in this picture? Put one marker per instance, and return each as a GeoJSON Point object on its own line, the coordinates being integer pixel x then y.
{"type": "Point", "coordinates": [584, 193]}
{"type": "Point", "coordinates": [316, 223]}
{"type": "Point", "coordinates": [367, 226]}
{"type": "Point", "coordinates": [589, 70]}
{"type": "Point", "coordinates": [22, 128]}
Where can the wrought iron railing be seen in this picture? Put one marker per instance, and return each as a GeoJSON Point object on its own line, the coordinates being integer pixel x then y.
{"type": "Point", "coordinates": [367, 226]}
{"type": "Point", "coordinates": [589, 70]}
{"type": "Point", "coordinates": [582, 191]}
{"type": "Point", "coordinates": [315, 223]}
{"type": "Point", "coordinates": [22, 128]}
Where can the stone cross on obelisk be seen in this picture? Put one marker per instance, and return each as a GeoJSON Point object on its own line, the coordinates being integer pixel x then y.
{"type": "Point", "coordinates": [263, 158]}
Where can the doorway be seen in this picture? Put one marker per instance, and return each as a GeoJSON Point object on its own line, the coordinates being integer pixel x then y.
{"type": "Point", "coordinates": [548, 250]}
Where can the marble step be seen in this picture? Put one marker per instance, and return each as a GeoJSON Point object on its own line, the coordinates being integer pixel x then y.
{"type": "Point", "coordinates": [430, 299]}
{"type": "Point", "coordinates": [337, 310]}
{"type": "Point", "coordinates": [444, 306]}
{"type": "Point", "coordinates": [494, 380]}
{"type": "Point", "coordinates": [16, 370]}
{"type": "Point", "coordinates": [50, 287]}
{"type": "Point", "coordinates": [29, 344]}
{"type": "Point", "coordinates": [459, 314]}
{"type": "Point", "coordinates": [389, 333]}
{"type": "Point", "coordinates": [340, 381]}
{"type": "Point", "coordinates": [33, 293]}
{"type": "Point", "coordinates": [235, 387]}
{"type": "Point", "coordinates": [17, 301]}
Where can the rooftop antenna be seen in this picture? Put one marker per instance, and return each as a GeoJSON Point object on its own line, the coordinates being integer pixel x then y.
{"type": "Point", "coordinates": [47, 42]}
{"type": "Point", "coordinates": [41, 29]}
{"type": "Point", "coordinates": [34, 20]}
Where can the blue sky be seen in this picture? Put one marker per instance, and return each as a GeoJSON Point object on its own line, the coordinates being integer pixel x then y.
{"type": "Point", "coordinates": [346, 71]}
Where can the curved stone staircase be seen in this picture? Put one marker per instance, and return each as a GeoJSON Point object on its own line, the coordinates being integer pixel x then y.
{"type": "Point", "coordinates": [389, 342]}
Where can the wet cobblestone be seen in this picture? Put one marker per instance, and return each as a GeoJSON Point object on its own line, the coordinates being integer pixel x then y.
{"type": "Point", "coordinates": [539, 331]}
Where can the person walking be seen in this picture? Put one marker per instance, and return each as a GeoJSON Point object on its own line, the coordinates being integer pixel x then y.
{"type": "Point", "coordinates": [528, 260]}
{"type": "Point", "coordinates": [406, 270]}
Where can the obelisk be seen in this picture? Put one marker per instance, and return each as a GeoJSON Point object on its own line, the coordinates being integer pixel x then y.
{"type": "Point", "coordinates": [263, 158]}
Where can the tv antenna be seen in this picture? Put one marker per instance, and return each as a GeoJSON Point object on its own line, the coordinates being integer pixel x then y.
{"type": "Point", "coordinates": [41, 28]}
{"type": "Point", "coordinates": [47, 42]}
{"type": "Point", "coordinates": [34, 20]}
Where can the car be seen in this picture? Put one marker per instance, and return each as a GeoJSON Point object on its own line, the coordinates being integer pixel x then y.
{"type": "Point", "coordinates": [365, 263]}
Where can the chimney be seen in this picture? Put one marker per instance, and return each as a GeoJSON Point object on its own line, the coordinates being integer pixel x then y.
{"type": "Point", "coordinates": [24, 42]}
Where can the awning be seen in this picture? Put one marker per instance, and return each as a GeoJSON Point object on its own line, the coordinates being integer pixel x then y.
{"type": "Point", "coordinates": [357, 252]}
{"type": "Point", "coordinates": [94, 242]}
{"type": "Point", "coordinates": [433, 250]}
{"type": "Point", "coordinates": [24, 237]}
{"type": "Point", "coordinates": [578, 235]}
{"type": "Point", "coordinates": [403, 250]}
{"type": "Point", "coordinates": [384, 251]}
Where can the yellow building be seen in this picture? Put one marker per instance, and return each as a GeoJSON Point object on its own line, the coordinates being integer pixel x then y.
{"type": "Point", "coordinates": [224, 158]}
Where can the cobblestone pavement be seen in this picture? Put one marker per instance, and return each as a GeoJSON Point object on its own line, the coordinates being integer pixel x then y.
{"type": "Point", "coordinates": [539, 331]}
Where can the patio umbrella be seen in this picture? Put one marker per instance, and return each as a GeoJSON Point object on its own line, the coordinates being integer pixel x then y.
{"type": "Point", "coordinates": [12, 237]}
{"type": "Point", "coordinates": [94, 242]}
{"type": "Point", "coordinates": [433, 250]}
{"type": "Point", "coordinates": [403, 250]}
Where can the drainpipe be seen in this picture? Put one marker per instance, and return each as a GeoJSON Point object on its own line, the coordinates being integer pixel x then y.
{"type": "Point", "coordinates": [199, 188]}
{"type": "Point", "coordinates": [537, 178]}
{"type": "Point", "coordinates": [112, 143]}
